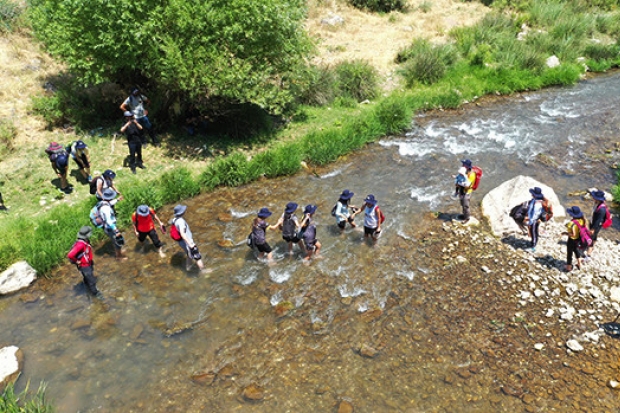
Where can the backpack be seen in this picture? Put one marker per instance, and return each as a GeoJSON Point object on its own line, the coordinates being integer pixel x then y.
{"type": "Point", "coordinates": [478, 171]}
{"type": "Point", "coordinates": [93, 185]}
{"type": "Point", "coordinates": [61, 160]}
{"type": "Point", "coordinates": [334, 210]}
{"type": "Point", "coordinates": [585, 237]}
{"type": "Point", "coordinates": [174, 232]}
{"type": "Point", "coordinates": [381, 216]}
{"type": "Point", "coordinates": [547, 212]}
{"type": "Point", "coordinates": [288, 226]}
{"type": "Point", "coordinates": [608, 220]}
{"type": "Point", "coordinates": [519, 213]}
{"type": "Point", "coordinates": [95, 215]}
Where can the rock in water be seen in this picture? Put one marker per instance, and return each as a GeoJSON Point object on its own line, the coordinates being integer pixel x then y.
{"type": "Point", "coordinates": [11, 362]}
{"type": "Point", "coordinates": [253, 393]}
{"type": "Point", "coordinates": [17, 276]}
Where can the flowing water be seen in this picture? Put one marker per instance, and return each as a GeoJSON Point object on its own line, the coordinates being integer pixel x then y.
{"type": "Point", "coordinates": [165, 340]}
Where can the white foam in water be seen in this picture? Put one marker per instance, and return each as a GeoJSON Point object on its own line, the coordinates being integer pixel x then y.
{"type": "Point", "coordinates": [411, 148]}
{"type": "Point", "coordinates": [246, 279]}
{"type": "Point", "coordinates": [239, 214]}
{"type": "Point", "coordinates": [362, 307]}
{"type": "Point", "coordinates": [279, 276]}
{"type": "Point", "coordinates": [338, 171]}
{"type": "Point", "coordinates": [430, 195]}
{"type": "Point", "coordinates": [276, 298]}
{"type": "Point", "coordinates": [344, 291]}
{"type": "Point", "coordinates": [407, 274]}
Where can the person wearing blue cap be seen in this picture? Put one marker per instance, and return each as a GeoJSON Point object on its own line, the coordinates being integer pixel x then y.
{"type": "Point", "coordinates": [534, 213]}
{"type": "Point", "coordinates": [81, 155]}
{"type": "Point", "coordinates": [344, 211]}
{"type": "Point", "coordinates": [259, 234]}
{"type": "Point", "coordinates": [311, 243]}
{"type": "Point", "coordinates": [573, 228]}
{"type": "Point", "coordinates": [136, 104]}
{"type": "Point", "coordinates": [601, 218]}
{"type": "Point", "coordinates": [465, 193]}
{"type": "Point", "coordinates": [289, 224]}
{"type": "Point", "coordinates": [373, 218]}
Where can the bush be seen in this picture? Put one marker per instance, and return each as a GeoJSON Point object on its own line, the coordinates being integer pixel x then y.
{"type": "Point", "coordinates": [319, 86]}
{"type": "Point", "coordinates": [394, 114]}
{"type": "Point", "coordinates": [49, 107]}
{"type": "Point", "coordinates": [278, 161]}
{"type": "Point", "coordinates": [357, 79]}
{"type": "Point", "coordinates": [8, 132]}
{"type": "Point", "coordinates": [177, 184]}
{"type": "Point", "coordinates": [380, 6]}
{"type": "Point", "coordinates": [10, 14]}
{"type": "Point", "coordinates": [232, 170]}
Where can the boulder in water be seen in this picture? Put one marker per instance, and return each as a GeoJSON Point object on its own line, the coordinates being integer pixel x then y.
{"type": "Point", "coordinates": [11, 362]}
{"type": "Point", "coordinates": [496, 205]}
{"type": "Point", "coordinates": [17, 276]}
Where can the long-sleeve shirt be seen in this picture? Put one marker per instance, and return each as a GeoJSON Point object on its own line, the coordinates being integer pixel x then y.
{"type": "Point", "coordinates": [81, 254]}
{"type": "Point", "coordinates": [598, 217]}
{"type": "Point", "coordinates": [534, 211]}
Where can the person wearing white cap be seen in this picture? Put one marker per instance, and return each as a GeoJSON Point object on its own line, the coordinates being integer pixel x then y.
{"type": "Point", "coordinates": [180, 232]}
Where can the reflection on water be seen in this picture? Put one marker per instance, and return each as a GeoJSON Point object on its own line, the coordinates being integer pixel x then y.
{"type": "Point", "coordinates": [307, 334]}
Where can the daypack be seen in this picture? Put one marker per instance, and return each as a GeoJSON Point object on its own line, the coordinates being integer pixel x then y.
{"type": "Point", "coordinates": [93, 185]}
{"type": "Point", "coordinates": [585, 237]}
{"type": "Point", "coordinates": [519, 212]}
{"type": "Point", "coordinates": [547, 212]}
{"type": "Point", "coordinates": [608, 220]}
{"type": "Point", "coordinates": [61, 160]}
{"type": "Point", "coordinates": [381, 216]}
{"type": "Point", "coordinates": [174, 232]}
{"type": "Point", "coordinates": [478, 171]}
{"type": "Point", "coordinates": [95, 215]}
{"type": "Point", "coordinates": [289, 229]}
{"type": "Point", "coordinates": [334, 210]}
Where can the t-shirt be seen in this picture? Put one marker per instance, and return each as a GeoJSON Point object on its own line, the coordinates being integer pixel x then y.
{"type": "Point", "coordinates": [183, 228]}
{"type": "Point", "coordinates": [133, 133]}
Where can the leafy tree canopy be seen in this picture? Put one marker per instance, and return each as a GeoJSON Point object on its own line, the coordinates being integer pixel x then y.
{"type": "Point", "coordinates": [241, 50]}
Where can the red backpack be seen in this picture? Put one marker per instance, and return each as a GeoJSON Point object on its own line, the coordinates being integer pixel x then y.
{"type": "Point", "coordinates": [478, 171]}
{"type": "Point", "coordinates": [381, 216]}
{"type": "Point", "coordinates": [608, 220]}
{"type": "Point", "coordinates": [174, 232]}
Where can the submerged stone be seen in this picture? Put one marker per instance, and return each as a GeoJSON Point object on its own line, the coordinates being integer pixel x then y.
{"type": "Point", "coordinates": [253, 393]}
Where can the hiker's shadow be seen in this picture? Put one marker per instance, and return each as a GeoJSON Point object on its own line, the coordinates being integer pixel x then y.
{"type": "Point", "coordinates": [78, 176]}
{"type": "Point", "coordinates": [523, 243]}
{"type": "Point", "coordinates": [447, 217]}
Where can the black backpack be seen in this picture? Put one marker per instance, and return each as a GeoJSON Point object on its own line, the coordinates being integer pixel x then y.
{"type": "Point", "coordinates": [289, 229]}
{"type": "Point", "coordinates": [93, 185]}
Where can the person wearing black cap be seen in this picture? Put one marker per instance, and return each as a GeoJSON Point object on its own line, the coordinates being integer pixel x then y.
{"type": "Point", "coordinates": [289, 224]}
{"type": "Point", "coordinates": [136, 104]}
{"type": "Point", "coordinates": [132, 130]}
{"type": "Point", "coordinates": [312, 244]}
{"type": "Point", "coordinates": [105, 181]}
{"type": "Point", "coordinates": [259, 234]}
{"type": "Point", "coordinates": [534, 213]}
{"type": "Point", "coordinates": [573, 228]}
{"type": "Point", "coordinates": [81, 254]}
{"type": "Point", "coordinates": [81, 155]}
{"type": "Point", "coordinates": [599, 215]}
{"type": "Point", "coordinates": [465, 193]}
{"type": "Point", "coordinates": [344, 211]}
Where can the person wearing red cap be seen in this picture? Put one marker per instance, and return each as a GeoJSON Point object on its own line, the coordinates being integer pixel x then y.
{"type": "Point", "coordinates": [59, 158]}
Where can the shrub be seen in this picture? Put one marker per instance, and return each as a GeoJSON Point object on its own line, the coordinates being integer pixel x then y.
{"type": "Point", "coordinates": [598, 51]}
{"type": "Point", "coordinates": [357, 79]}
{"type": "Point", "coordinates": [177, 184]}
{"type": "Point", "coordinates": [278, 161]}
{"type": "Point", "coordinates": [232, 170]}
{"type": "Point", "coordinates": [50, 109]}
{"type": "Point", "coordinates": [319, 86]}
{"type": "Point", "coordinates": [8, 132]}
{"type": "Point", "coordinates": [380, 6]}
{"type": "Point", "coordinates": [425, 63]}
{"type": "Point", "coordinates": [10, 12]}
{"type": "Point", "coordinates": [394, 114]}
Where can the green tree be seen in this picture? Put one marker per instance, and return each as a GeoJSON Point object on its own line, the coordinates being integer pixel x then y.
{"type": "Point", "coordinates": [242, 50]}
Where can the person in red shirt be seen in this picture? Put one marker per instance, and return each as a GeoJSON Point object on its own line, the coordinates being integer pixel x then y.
{"type": "Point", "coordinates": [81, 254]}
{"type": "Point", "coordinates": [143, 226]}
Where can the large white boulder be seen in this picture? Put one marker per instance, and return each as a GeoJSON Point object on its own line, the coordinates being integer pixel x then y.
{"type": "Point", "coordinates": [11, 361]}
{"type": "Point", "coordinates": [17, 276]}
{"type": "Point", "coordinates": [496, 205]}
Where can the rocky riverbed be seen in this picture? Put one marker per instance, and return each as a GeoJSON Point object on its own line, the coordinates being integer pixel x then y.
{"type": "Point", "coordinates": [480, 325]}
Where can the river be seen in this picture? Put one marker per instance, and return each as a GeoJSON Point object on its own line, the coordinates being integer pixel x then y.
{"type": "Point", "coordinates": [357, 325]}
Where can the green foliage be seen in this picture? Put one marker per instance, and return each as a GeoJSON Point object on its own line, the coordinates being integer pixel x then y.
{"type": "Point", "coordinates": [232, 170]}
{"type": "Point", "coordinates": [246, 51]}
{"type": "Point", "coordinates": [177, 184]}
{"type": "Point", "coordinates": [380, 6]}
{"type": "Point", "coordinates": [394, 114]}
{"type": "Point", "coordinates": [425, 63]}
{"type": "Point", "coordinates": [278, 161]}
{"type": "Point", "coordinates": [10, 13]}
{"type": "Point", "coordinates": [357, 79]}
{"type": "Point", "coordinates": [23, 402]}
{"type": "Point", "coordinates": [318, 86]}
{"type": "Point", "coordinates": [8, 132]}
{"type": "Point", "coordinates": [49, 107]}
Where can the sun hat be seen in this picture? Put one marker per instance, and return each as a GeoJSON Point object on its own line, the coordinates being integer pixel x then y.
{"type": "Point", "coordinates": [143, 210]}
{"type": "Point", "coordinates": [128, 114]}
{"type": "Point", "coordinates": [462, 170]}
{"type": "Point", "coordinates": [80, 145]}
{"type": "Point", "coordinates": [264, 213]}
{"type": "Point", "coordinates": [574, 212]}
{"type": "Point", "coordinates": [109, 174]}
{"type": "Point", "coordinates": [108, 194]}
{"type": "Point", "coordinates": [179, 210]}
{"type": "Point", "coordinates": [54, 146]}
{"type": "Point", "coordinates": [598, 195]}
{"type": "Point", "coordinates": [290, 208]}
{"type": "Point", "coordinates": [370, 199]}
{"type": "Point", "coordinates": [346, 194]}
{"type": "Point", "coordinates": [310, 209]}
{"type": "Point", "coordinates": [85, 232]}
{"type": "Point", "coordinates": [466, 163]}
{"type": "Point", "coordinates": [536, 193]}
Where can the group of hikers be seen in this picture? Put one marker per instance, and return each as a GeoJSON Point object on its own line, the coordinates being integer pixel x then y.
{"type": "Point", "coordinates": [146, 222]}
{"type": "Point", "coordinates": [136, 123]}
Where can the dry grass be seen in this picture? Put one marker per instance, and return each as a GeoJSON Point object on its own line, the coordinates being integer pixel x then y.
{"type": "Point", "coordinates": [26, 176]}
{"type": "Point", "coordinates": [378, 38]}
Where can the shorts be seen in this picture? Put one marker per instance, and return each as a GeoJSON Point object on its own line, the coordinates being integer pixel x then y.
{"type": "Point", "coordinates": [372, 232]}
{"type": "Point", "coordinates": [263, 248]}
{"type": "Point", "coordinates": [342, 224]}
{"type": "Point", "coordinates": [291, 239]}
{"type": "Point", "coordinates": [311, 247]}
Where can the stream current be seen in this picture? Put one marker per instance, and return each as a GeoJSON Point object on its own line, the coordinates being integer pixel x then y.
{"type": "Point", "coordinates": [307, 337]}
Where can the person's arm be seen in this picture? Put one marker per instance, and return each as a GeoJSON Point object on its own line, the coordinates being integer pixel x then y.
{"type": "Point", "coordinates": [161, 224]}
{"type": "Point", "coordinates": [100, 187]}
{"type": "Point", "coordinates": [124, 106]}
{"type": "Point", "coordinates": [134, 221]}
{"type": "Point", "coordinates": [75, 251]}
{"type": "Point", "coordinates": [190, 243]}
{"type": "Point", "coordinates": [125, 126]}
{"type": "Point", "coordinates": [378, 217]}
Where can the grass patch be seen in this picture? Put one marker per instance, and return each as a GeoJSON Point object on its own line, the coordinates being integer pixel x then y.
{"type": "Point", "coordinates": [24, 402]}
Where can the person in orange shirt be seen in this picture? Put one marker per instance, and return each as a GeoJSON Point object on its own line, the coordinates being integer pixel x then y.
{"type": "Point", "coordinates": [143, 226]}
